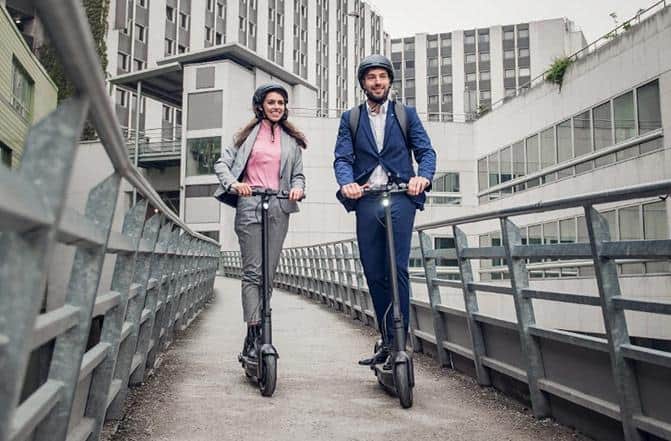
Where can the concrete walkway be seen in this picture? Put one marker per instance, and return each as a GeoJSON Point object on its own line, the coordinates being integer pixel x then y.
{"type": "Point", "coordinates": [200, 392]}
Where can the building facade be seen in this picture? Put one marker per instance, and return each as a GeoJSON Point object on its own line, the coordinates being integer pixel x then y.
{"type": "Point", "coordinates": [453, 76]}
{"type": "Point", "coordinates": [27, 93]}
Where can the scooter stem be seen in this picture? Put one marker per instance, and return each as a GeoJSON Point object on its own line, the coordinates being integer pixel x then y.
{"type": "Point", "coordinates": [266, 322]}
{"type": "Point", "coordinates": [398, 328]}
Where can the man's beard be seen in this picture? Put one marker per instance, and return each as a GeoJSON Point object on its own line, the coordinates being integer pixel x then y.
{"type": "Point", "coordinates": [375, 99]}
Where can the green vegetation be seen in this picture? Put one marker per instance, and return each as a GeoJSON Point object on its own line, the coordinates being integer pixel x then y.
{"type": "Point", "coordinates": [557, 70]}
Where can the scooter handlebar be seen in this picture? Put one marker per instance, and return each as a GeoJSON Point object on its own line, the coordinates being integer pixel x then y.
{"type": "Point", "coordinates": [283, 194]}
{"type": "Point", "coordinates": [389, 188]}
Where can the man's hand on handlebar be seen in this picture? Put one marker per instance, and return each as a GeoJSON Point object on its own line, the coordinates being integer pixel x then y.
{"type": "Point", "coordinates": [417, 184]}
{"type": "Point", "coordinates": [353, 190]}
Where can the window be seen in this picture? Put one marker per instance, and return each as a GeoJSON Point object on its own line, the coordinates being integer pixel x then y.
{"type": "Point", "coordinates": [433, 100]}
{"type": "Point", "coordinates": [139, 33]}
{"type": "Point", "coordinates": [506, 164]}
{"type": "Point", "coordinates": [510, 93]}
{"type": "Point", "coordinates": [22, 90]}
{"type": "Point", "coordinates": [210, 5]}
{"type": "Point", "coordinates": [518, 159]}
{"type": "Point", "coordinates": [485, 95]}
{"type": "Point", "coordinates": [623, 116]}
{"type": "Point", "coordinates": [523, 33]}
{"type": "Point", "coordinates": [122, 98]}
{"type": "Point", "coordinates": [433, 81]}
{"type": "Point", "coordinates": [142, 3]}
{"type": "Point", "coordinates": [603, 136]}
{"type": "Point", "coordinates": [433, 62]}
{"type": "Point", "coordinates": [509, 73]}
{"type": "Point", "coordinates": [484, 57]}
{"type": "Point", "coordinates": [409, 46]}
{"type": "Point", "coordinates": [5, 155]}
{"type": "Point", "coordinates": [409, 84]}
{"type": "Point", "coordinates": [445, 42]}
{"type": "Point", "coordinates": [485, 76]}
{"type": "Point", "coordinates": [252, 29]}
{"type": "Point", "coordinates": [271, 41]}
{"type": "Point", "coordinates": [508, 54]}
{"type": "Point", "coordinates": [508, 35]}
{"type": "Point", "coordinates": [447, 100]}
{"type": "Point", "coordinates": [655, 227]}
{"type": "Point", "coordinates": [184, 21]}
{"type": "Point", "coordinates": [218, 38]}
{"type": "Point", "coordinates": [564, 144]}
{"type": "Point", "coordinates": [469, 39]}
{"type": "Point", "coordinates": [208, 34]}
{"type": "Point", "coordinates": [170, 13]}
{"type": "Point", "coordinates": [525, 72]}
{"type": "Point", "coordinates": [470, 77]}
{"type": "Point", "coordinates": [493, 162]}
{"type": "Point", "coordinates": [181, 49]}
{"type": "Point", "coordinates": [432, 44]}
{"type": "Point", "coordinates": [470, 58]}
{"type": "Point", "coordinates": [202, 153]}
{"type": "Point", "coordinates": [548, 152]}
{"type": "Point", "coordinates": [138, 64]}
{"type": "Point", "coordinates": [123, 61]}
{"type": "Point", "coordinates": [409, 64]}
{"type": "Point", "coordinates": [483, 38]}
{"type": "Point", "coordinates": [523, 53]}
{"type": "Point", "coordinates": [482, 174]}
{"type": "Point", "coordinates": [169, 47]}
{"type": "Point", "coordinates": [242, 24]}
{"type": "Point", "coordinates": [533, 158]}
{"type": "Point", "coordinates": [446, 61]}
{"type": "Point", "coordinates": [396, 46]}
{"type": "Point", "coordinates": [649, 116]}
{"type": "Point", "coordinates": [220, 10]}
{"type": "Point", "coordinates": [446, 182]}
{"type": "Point", "coordinates": [447, 79]}
{"type": "Point", "coordinates": [410, 102]}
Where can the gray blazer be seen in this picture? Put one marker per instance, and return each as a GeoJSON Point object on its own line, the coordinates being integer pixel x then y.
{"type": "Point", "coordinates": [231, 166]}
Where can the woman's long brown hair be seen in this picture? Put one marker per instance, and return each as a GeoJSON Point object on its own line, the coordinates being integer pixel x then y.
{"type": "Point", "coordinates": [291, 130]}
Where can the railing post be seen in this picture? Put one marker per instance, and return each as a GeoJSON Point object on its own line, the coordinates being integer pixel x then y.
{"type": "Point", "coordinates": [334, 287]}
{"type": "Point", "coordinates": [124, 267]}
{"type": "Point", "coordinates": [24, 258]}
{"type": "Point", "coordinates": [133, 315]}
{"type": "Point", "coordinates": [346, 276]}
{"type": "Point", "coordinates": [519, 280]}
{"type": "Point", "coordinates": [430, 273]}
{"type": "Point", "coordinates": [615, 324]}
{"type": "Point", "coordinates": [471, 306]}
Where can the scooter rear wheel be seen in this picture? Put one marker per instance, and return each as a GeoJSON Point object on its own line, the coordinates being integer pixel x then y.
{"type": "Point", "coordinates": [268, 379]}
{"type": "Point", "coordinates": [402, 383]}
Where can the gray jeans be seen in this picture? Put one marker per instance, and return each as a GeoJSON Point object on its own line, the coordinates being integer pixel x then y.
{"type": "Point", "coordinates": [248, 229]}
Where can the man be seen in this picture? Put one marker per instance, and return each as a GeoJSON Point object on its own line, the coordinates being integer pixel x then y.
{"type": "Point", "coordinates": [380, 153]}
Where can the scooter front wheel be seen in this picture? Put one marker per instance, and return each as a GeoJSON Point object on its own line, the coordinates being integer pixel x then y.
{"type": "Point", "coordinates": [268, 379]}
{"type": "Point", "coordinates": [402, 383]}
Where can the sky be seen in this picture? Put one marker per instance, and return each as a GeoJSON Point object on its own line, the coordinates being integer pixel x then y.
{"type": "Point", "coordinates": [404, 18]}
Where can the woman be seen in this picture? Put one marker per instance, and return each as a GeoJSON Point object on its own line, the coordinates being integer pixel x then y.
{"type": "Point", "coordinates": [265, 153]}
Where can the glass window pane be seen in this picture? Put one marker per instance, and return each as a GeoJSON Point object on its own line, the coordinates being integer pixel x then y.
{"type": "Point", "coordinates": [611, 219]}
{"type": "Point", "coordinates": [482, 174]}
{"type": "Point", "coordinates": [535, 238]}
{"type": "Point", "coordinates": [630, 223]}
{"type": "Point", "coordinates": [567, 231]}
{"type": "Point", "coordinates": [548, 152]}
{"type": "Point", "coordinates": [564, 143]}
{"type": "Point", "coordinates": [655, 224]}
{"type": "Point", "coordinates": [602, 127]}
{"type": "Point", "coordinates": [506, 164]}
{"type": "Point", "coordinates": [582, 229]}
{"type": "Point", "coordinates": [493, 169]}
{"type": "Point", "coordinates": [518, 159]}
{"type": "Point", "coordinates": [533, 159]}
{"type": "Point", "coordinates": [202, 153]}
{"type": "Point", "coordinates": [649, 115]}
{"type": "Point", "coordinates": [582, 139]}
{"type": "Point", "coordinates": [623, 109]}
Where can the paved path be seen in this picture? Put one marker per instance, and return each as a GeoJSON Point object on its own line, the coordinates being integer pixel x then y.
{"type": "Point", "coordinates": [200, 393]}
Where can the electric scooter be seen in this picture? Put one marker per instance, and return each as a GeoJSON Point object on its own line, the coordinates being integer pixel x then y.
{"type": "Point", "coordinates": [263, 368]}
{"type": "Point", "coordinates": [400, 379]}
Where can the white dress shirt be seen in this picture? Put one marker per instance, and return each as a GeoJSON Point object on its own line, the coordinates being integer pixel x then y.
{"type": "Point", "coordinates": [377, 122]}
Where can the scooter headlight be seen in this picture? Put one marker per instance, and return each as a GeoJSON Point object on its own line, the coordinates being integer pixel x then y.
{"type": "Point", "coordinates": [385, 202]}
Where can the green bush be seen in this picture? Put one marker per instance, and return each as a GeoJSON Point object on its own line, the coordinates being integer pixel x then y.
{"type": "Point", "coordinates": [557, 70]}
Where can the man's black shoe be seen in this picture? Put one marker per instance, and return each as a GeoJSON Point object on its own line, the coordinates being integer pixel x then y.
{"type": "Point", "coordinates": [389, 363]}
{"type": "Point", "coordinates": [379, 357]}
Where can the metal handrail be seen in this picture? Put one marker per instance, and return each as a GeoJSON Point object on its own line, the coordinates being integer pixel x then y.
{"type": "Point", "coordinates": [66, 24]}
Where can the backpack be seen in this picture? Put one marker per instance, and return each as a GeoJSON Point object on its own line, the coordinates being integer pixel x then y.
{"type": "Point", "coordinates": [399, 111]}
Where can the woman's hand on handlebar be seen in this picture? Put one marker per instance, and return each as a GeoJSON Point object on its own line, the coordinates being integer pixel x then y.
{"type": "Point", "coordinates": [296, 194]}
{"type": "Point", "coordinates": [242, 189]}
{"type": "Point", "coordinates": [417, 184]}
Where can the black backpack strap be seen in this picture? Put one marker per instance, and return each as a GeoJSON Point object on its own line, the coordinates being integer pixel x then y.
{"type": "Point", "coordinates": [354, 114]}
{"type": "Point", "coordinates": [402, 117]}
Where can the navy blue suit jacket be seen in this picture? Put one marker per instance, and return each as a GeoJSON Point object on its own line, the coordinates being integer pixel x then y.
{"type": "Point", "coordinates": [356, 159]}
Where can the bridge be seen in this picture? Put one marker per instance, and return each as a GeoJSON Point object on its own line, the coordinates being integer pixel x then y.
{"type": "Point", "coordinates": [142, 343]}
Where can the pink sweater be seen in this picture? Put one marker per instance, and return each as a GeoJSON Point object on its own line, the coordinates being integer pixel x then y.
{"type": "Point", "coordinates": [263, 165]}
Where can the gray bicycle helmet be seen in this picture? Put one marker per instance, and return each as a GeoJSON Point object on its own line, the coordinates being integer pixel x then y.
{"type": "Point", "coordinates": [260, 94]}
{"type": "Point", "coordinates": [371, 61]}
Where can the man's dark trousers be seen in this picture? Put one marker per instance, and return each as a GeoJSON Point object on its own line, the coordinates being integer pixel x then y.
{"type": "Point", "coordinates": [372, 240]}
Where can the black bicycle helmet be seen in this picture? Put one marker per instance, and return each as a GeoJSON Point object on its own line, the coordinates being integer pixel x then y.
{"type": "Point", "coordinates": [260, 94]}
{"type": "Point", "coordinates": [371, 61]}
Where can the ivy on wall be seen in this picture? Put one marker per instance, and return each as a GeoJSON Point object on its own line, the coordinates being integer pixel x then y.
{"type": "Point", "coordinates": [96, 12]}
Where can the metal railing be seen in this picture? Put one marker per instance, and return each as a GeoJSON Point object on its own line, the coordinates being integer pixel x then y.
{"type": "Point", "coordinates": [610, 375]}
{"type": "Point", "coordinates": [155, 144]}
{"type": "Point", "coordinates": [98, 341]}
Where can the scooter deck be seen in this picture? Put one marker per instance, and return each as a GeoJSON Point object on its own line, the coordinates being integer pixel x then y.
{"type": "Point", "coordinates": [385, 378]}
